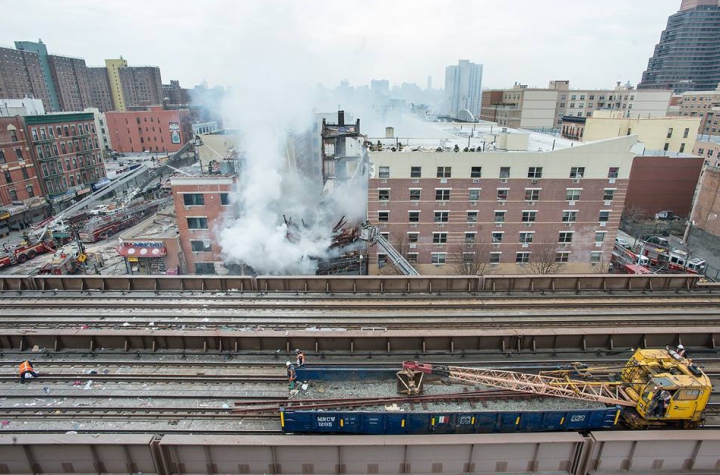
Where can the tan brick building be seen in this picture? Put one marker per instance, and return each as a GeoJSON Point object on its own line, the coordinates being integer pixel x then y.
{"type": "Point", "coordinates": [514, 208]}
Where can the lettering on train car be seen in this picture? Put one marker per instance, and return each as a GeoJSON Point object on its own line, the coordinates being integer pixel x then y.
{"type": "Point", "coordinates": [325, 421]}
{"type": "Point", "coordinates": [577, 418]}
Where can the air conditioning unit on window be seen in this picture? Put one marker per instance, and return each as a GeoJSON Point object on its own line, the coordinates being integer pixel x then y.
{"type": "Point", "coordinates": [476, 180]}
{"type": "Point", "coordinates": [568, 225]}
{"type": "Point", "coordinates": [501, 202]}
{"type": "Point", "coordinates": [503, 180]}
{"type": "Point", "coordinates": [611, 180]}
{"type": "Point", "coordinates": [534, 181]}
{"type": "Point", "coordinates": [598, 244]}
{"type": "Point", "coordinates": [528, 225]}
{"type": "Point", "coordinates": [496, 244]}
{"type": "Point", "coordinates": [443, 180]}
{"type": "Point", "coordinates": [383, 203]}
{"type": "Point", "coordinates": [603, 224]}
{"type": "Point", "coordinates": [564, 244]}
{"type": "Point", "coordinates": [413, 225]}
{"type": "Point", "coordinates": [571, 203]}
{"type": "Point", "coordinates": [383, 180]}
{"type": "Point", "coordinates": [608, 203]}
{"type": "Point", "coordinates": [531, 203]}
{"type": "Point", "coordinates": [413, 246]}
{"type": "Point", "coordinates": [498, 225]}
{"type": "Point", "coordinates": [472, 225]}
{"type": "Point", "coordinates": [442, 203]}
{"type": "Point", "coordinates": [576, 180]}
{"type": "Point", "coordinates": [415, 180]}
{"type": "Point", "coordinates": [441, 225]}
{"type": "Point", "coordinates": [525, 244]}
{"type": "Point", "coordinates": [473, 202]}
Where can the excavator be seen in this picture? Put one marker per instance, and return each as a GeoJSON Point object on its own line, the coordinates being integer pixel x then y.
{"type": "Point", "coordinates": [655, 388]}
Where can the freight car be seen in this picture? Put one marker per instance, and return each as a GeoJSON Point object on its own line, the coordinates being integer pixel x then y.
{"type": "Point", "coordinates": [655, 388]}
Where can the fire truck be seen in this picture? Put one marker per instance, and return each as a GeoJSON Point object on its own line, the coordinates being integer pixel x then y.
{"type": "Point", "coordinates": [679, 261]}
{"type": "Point", "coordinates": [66, 260]}
{"type": "Point", "coordinates": [23, 252]}
{"type": "Point", "coordinates": [622, 257]}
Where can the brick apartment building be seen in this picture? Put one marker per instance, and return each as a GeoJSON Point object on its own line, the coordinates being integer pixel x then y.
{"type": "Point", "coordinates": [201, 204]}
{"type": "Point", "coordinates": [154, 130]}
{"type": "Point", "coordinates": [21, 75]}
{"type": "Point", "coordinates": [20, 192]}
{"type": "Point", "coordinates": [514, 208]}
{"type": "Point", "coordinates": [67, 152]}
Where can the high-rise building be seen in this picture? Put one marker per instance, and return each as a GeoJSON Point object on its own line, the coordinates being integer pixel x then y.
{"type": "Point", "coordinates": [463, 87]}
{"type": "Point", "coordinates": [141, 86]}
{"type": "Point", "coordinates": [70, 78]}
{"type": "Point", "coordinates": [685, 59]}
{"type": "Point", "coordinates": [22, 75]}
{"type": "Point", "coordinates": [113, 72]}
{"type": "Point", "coordinates": [40, 49]}
{"type": "Point", "coordinates": [100, 93]}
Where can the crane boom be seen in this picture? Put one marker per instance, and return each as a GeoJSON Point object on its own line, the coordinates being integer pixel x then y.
{"type": "Point", "coordinates": [370, 234]}
{"type": "Point", "coordinates": [607, 392]}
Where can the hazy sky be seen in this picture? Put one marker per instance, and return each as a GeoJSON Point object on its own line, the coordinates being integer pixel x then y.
{"type": "Point", "coordinates": [593, 43]}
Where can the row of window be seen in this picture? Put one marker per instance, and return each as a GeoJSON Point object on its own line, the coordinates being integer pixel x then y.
{"type": "Point", "coordinates": [8, 176]}
{"type": "Point", "coordinates": [531, 194]}
{"type": "Point", "coordinates": [521, 257]}
{"type": "Point", "coordinates": [14, 196]}
{"type": "Point", "coordinates": [198, 199]}
{"type": "Point", "coordinates": [80, 146]}
{"type": "Point", "coordinates": [528, 216]}
{"type": "Point", "coordinates": [524, 237]}
{"type": "Point", "coordinates": [40, 133]}
{"type": "Point", "coordinates": [476, 172]}
{"type": "Point", "coordinates": [18, 155]}
{"type": "Point", "coordinates": [56, 167]}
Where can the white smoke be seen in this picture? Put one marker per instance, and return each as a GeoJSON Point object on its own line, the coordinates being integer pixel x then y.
{"type": "Point", "coordinates": [271, 96]}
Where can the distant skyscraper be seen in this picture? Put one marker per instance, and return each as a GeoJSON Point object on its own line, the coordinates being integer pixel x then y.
{"type": "Point", "coordinates": [463, 87]}
{"type": "Point", "coordinates": [380, 85]}
{"type": "Point", "coordinates": [686, 58]}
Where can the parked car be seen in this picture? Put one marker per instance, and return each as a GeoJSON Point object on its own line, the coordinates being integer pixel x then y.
{"type": "Point", "coordinates": [622, 241]}
{"type": "Point", "coordinates": [658, 241]}
{"type": "Point", "coordinates": [666, 215]}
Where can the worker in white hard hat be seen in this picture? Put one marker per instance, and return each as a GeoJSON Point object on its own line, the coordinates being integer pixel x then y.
{"type": "Point", "coordinates": [680, 350]}
{"type": "Point", "coordinates": [291, 375]}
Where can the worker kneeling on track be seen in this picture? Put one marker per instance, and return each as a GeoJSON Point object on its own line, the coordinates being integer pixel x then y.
{"type": "Point", "coordinates": [291, 375]}
{"type": "Point", "coordinates": [26, 371]}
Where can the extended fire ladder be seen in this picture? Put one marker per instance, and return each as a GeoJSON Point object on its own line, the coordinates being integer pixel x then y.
{"type": "Point", "coordinates": [371, 234]}
{"type": "Point", "coordinates": [541, 385]}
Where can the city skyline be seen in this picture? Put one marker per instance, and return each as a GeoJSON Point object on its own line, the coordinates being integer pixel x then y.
{"type": "Point", "coordinates": [401, 42]}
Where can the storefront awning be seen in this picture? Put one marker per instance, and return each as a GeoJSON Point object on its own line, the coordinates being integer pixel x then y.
{"type": "Point", "coordinates": [138, 251]}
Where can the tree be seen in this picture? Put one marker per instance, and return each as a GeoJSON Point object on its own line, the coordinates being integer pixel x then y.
{"type": "Point", "coordinates": [543, 259]}
{"type": "Point", "coordinates": [402, 246]}
{"type": "Point", "coordinates": [470, 258]}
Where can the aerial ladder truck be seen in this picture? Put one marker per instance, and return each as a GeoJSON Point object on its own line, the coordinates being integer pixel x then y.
{"type": "Point", "coordinates": [654, 388]}
{"type": "Point", "coordinates": [372, 235]}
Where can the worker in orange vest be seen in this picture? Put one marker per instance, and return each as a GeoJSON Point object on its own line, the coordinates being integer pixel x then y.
{"type": "Point", "coordinates": [300, 357]}
{"type": "Point", "coordinates": [26, 369]}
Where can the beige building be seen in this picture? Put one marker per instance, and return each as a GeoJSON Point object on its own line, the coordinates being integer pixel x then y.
{"type": "Point", "coordinates": [536, 109]}
{"type": "Point", "coordinates": [551, 202]}
{"type": "Point", "coordinates": [113, 71]}
{"type": "Point", "coordinates": [670, 134]}
{"type": "Point", "coordinates": [706, 106]}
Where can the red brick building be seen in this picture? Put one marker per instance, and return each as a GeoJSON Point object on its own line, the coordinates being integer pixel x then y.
{"type": "Point", "coordinates": [20, 192]}
{"type": "Point", "coordinates": [154, 130]}
{"type": "Point", "coordinates": [201, 204]}
{"type": "Point", "coordinates": [663, 183]}
{"type": "Point", "coordinates": [67, 153]}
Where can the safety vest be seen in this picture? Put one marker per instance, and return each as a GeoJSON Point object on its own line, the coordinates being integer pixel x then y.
{"type": "Point", "coordinates": [25, 366]}
{"type": "Point", "coordinates": [301, 358]}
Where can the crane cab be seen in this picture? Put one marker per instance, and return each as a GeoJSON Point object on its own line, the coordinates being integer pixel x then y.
{"type": "Point", "coordinates": [668, 389]}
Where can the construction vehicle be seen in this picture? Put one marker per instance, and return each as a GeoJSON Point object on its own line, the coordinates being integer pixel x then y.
{"type": "Point", "coordinates": [655, 388]}
{"type": "Point", "coordinates": [24, 251]}
{"type": "Point", "coordinates": [372, 235]}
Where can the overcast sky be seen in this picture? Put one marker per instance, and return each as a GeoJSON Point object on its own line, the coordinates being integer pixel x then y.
{"type": "Point", "coordinates": [593, 43]}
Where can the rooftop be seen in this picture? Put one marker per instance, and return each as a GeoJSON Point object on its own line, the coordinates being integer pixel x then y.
{"type": "Point", "coordinates": [161, 225]}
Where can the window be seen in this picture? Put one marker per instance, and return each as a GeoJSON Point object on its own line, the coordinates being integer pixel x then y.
{"type": "Point", "coordinates": [670, 132]}
{"type": "Point", "coordinates": [469, 238]}
{"type": "Point", "coordinates": [442, 216]}
{"type": "Point", "coordinates": [224, 199]}
{"type": "Point", "coordinates": [604, 216]}
{"type": "Point", "coordinates": [412, 257]}
{"type": "Point", "coordinates": [415, 172]}
{"type": "Point", "coordinates": [666, 147]}
{"type": "Point", "coordinates": [504, 172]}
{"type": "Point", "coordinates": [600, 236]}
{"type": "Point", "coordinates": [569, 216]}
{"type": "Point", "coordinates": [442, 194]}
{"type": "Point", "coordinates": [384, 172]}
{"type": "Point", "coordinates": [577, 172]}
{"type": "Point", "coordinates": [532, 194]}
{"type": "Point", "coordinates": [572, 105]}
{"type": "Point", "coordinates": [204, 268]}
{"type": "Point", "coordinates": [2, 157]}
{"type": "Point", "coordinates": [18, 154]}
{"type": "Point", "coordinates": [383, 216]}
{"type": "Point", "coordinates": [472, 216]}
{"type": "Point", "coordinates": [500, 216]}
{"type": "Point", "coordinates": [382, 259]}
{"type": "Point", "coordinates": [13, 135]}
{"type": "Point", "coordinates": [413, 237]}
{"type": "Point", "coordinates": [30, 191]}
{"type": "Point", "coordinates": [565, 237]}
{"type": "Point", "coordinates": [582, 97]}
{"type": "Point", "coordinates": [526, 238]}
{"type": "Point", "coordinates": [497, 236]}
{"type": "Point", "coordinates": [474, 194]}
{"type": "Point", "coordinates": [414, 216]}
{"type": "Point", "coordinates": [572, 194]}
{"type": "Point", "coordinates": [194, 199]}
{"type": "Point", "coordinates": [25, 173]}
{"type": "Point", "coordinates": [613, 172]}
{"type": "Point", "coordinates": [595, 257]}
{"type": "Point", "coordinates": [529, 216]}
{"type": "Point", "coordinates": [573, 97]}
{"type": "Point", "coordinates": [384, 194]}
{"type": "Point", "coordinates": [197, 223]}
{"type": "Point", "coordinates": [682, 148]}
{"type": "Point", "coordinates": [8, 177]}
{"type": "Point", "coordinates": [476, 172]}
{"type": "Point", "coordinates": [502, 194]}
{"type": "Point", "coordinates": [438, 257]}
{"type": "Point", "coordinates": [522, 257]}
{"type": "Point", "coordinates": [444, 172]}
{"type": "Point", "coordinates": [562, 256]}
{"type": "Point", "coordinates": [685, 133]}
{"type": "Point", "coordinates": [439, 238]}
{"type": "Point", "coordinates": [201, 246]}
